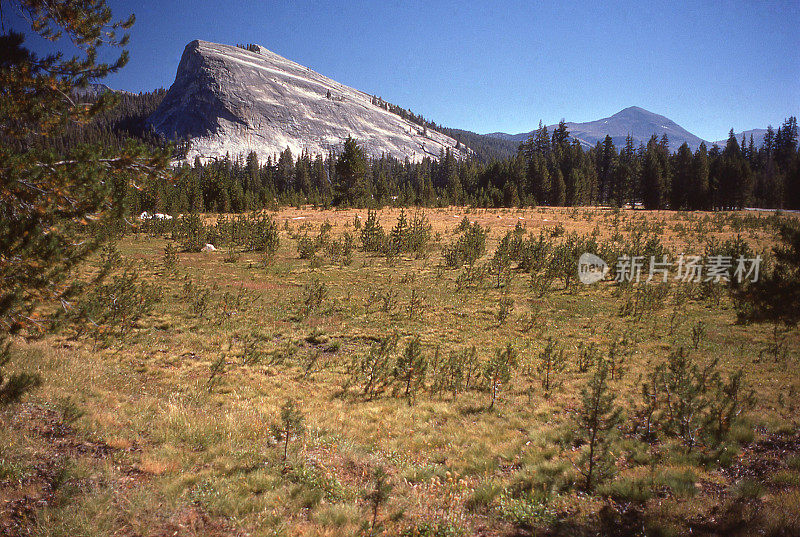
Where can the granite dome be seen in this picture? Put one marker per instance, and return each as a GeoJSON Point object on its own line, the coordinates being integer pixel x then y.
{"type": "Point", "coordinates": [231, 100]}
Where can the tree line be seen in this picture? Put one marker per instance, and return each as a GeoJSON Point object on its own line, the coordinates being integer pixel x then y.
{"type": "Point", "coordinates": [548, 169]}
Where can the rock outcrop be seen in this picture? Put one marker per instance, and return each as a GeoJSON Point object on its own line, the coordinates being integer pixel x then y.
{"type": "Point", "coordinates": [227, 99]}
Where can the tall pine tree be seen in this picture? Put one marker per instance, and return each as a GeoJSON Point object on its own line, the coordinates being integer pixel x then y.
{"type": "Point", "coordinates": [54, 209]}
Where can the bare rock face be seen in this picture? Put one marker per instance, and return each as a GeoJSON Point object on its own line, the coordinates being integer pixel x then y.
{"type": "Point", "coordinates": [226, 99]}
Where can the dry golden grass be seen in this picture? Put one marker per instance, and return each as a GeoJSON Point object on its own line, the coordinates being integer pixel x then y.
{"type": "Point", "coordinates": [172, 443]}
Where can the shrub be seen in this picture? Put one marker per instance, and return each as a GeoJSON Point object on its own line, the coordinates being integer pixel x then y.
{"type": "Point", "coordinates": [200, 301]}
{"type": "Point", "coordinates": [463, 225]}
{"type": "Point", "coordinates": [264, 236]}
{"type": "Point", "coordinates": [497, 370]}
{"type": "Point", "coordinates": [415, 302]}
{"type": "Point", "coordinates": [457, 372]}
{"type": "Point", "coordinates": [231, 255]}
{"type": "Point", "coordinates": [628, 489]}
{"type": "Point", "coordinates": [532, 254]}
{"type": "Point", "coordinates": [542, 281]}
{"type": "Point", "coordinates": [525, 512]}
{"type": "Point", "coordinates": [563, 261]}
{"type": "Point", "coordinates": [377, 496]}
{"type": "Point", "coordinates": [314, 294]}
{"type": "Point", "coordinates": [341, 250]}
{"type": "Point", "coordinates": [543, 480]}
{"type": "Point", "coordinates": [551, 363]}
{"type": "Point", "coordinates": [256, 232]}
{"type": "Point", "coordinates": [215, 372]}
{"type": "Point", "coordinates": [400, 234]}
{"type": "Point", "coordinates": [373, 237]}
{"type": "Point", "coordinates": [597, 416]}
{"type": "Point", "coordinates": [372, 372]}
{"type": "Point", "coordinates": [588, 355]}
{"type": "Point", "coordinates": [291, 423]}
{"type": "Point", "coordinates": [730, 248]}
{"type": "Point", "coordinates": [680, 482]}
{"type": "Point", "coordinates": [505, 308]}
{"type": "Point", "coordinates": [170, 257]}
{"type": "Point", "coordinates": [419, 233]}
{"type": "Point", "coordinates": [410, 369]}
{"type": "Point", "coordinates": [190, 232]}
{"type": "Point", "coordinates": [306, 247]}
{"type": "Point", "coordinates": [251, 353]}
{"type": "Point", "coordinates": [692, 403]}
{"type": "Point", "coordinates": [698, 333]}
{"type": "Point", "coordinates": [433, 529]}
{"type": "Point", "coordinates": [501, 261]}
{"type": "Point", "coordinates": [469, 247]}
{"type": "Point", "coordinates": [471, 276]}
{"type": "Point", "coordinates": [619, 351]}
{"type": "Point", "coordinates": [748, 489]}
{"type": "Point", "coordinates": [116, 306]}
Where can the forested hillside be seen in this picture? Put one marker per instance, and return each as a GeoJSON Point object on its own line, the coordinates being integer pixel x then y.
{"type": "Point", "coordinates": [547, 169]}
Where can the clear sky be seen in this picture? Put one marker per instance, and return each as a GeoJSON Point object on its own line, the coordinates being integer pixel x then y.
{"type": "Point", "coordinates": [502, 66]}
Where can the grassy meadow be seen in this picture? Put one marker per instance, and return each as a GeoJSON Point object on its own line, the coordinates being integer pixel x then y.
{"type": "Point", "coordinates": [169, 421]}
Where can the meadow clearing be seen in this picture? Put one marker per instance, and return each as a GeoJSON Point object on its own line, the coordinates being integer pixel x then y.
{"type": "Point", "coordinates": [433, 389]}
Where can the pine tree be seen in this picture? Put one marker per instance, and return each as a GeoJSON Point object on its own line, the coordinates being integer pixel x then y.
{"type": "Point", "coordinates": [552, 362]}
{"type": "Point", "coordinates": [774, 297]}
{"type": "Point", "coordinates": [734, 176]}
{"type": "Point", "coordinates": [291, 423]}
{"type": "Point", "coordinates": [626, 175]}
{"type": "Point", "coordinates": [53, 209]}
{"type": "Point", "coordinates": [542, 140]}
{"type": "Point", "coordinates": [351, 172]}
{"type": "Point", "coordinates": [653, 178]}
{"type": "Point", "coordinates": [786, 142]}
{"type": "Point", "coordinates": [451, 179]}
{"type": "Point", "coordinates": [699, 184]}
{"type": "Point", "coordinates": [597, 416]}
{"type": "Point", "coordinates": [561, 136]}
{"type": "Point", "coordinates": [558, 193]}
{"type": "Point", "coordinates": [497, 370]}
{"type": "Point", "coordinates": [284, 174]}
{"type": "Point", "coordinates": [538, 178]}
{"type": "Point", "coordinates": [410, 369]}
{"type": "Point", "coordinates": [377, 495]}
{"type": "Point", "coordinates": [606, 167]}
{"type": "Point", "coordinates": [682, 181]}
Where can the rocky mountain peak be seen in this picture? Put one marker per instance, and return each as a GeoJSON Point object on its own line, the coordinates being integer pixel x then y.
{"type": "Point", "coordinates": [233, 100]}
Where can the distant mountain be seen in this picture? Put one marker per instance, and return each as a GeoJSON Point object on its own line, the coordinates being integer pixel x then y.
{"type": "Point", "coordinates": [521, 137]}
{"type": "Point", "coordinates": [94, 90]}
{"type": "Point", "coordinates": [758, 137]}
{"type": "Point", "coordinates": [638, 122]}
{"type": "Point", "coordinates": [233, 100]}
{"type": "Point", "coordinates": [483, 146]}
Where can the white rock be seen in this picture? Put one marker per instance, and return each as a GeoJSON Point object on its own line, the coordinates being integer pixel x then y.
{"type": "Point", "coordinates": [157, 216]}
{"type": "Point", "coordinates": [209, 248]}
{"type": "Point", "coordinates": [229, 100]}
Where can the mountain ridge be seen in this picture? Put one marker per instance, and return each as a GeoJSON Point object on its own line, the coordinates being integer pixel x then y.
{"type": "Point", "coordinates": [758, 137]}
{"type": "Point", "coordinates": [641, 124]}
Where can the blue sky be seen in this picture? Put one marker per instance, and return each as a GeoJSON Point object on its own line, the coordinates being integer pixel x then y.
{"type": "Point", "coordinates": [503, 66]}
